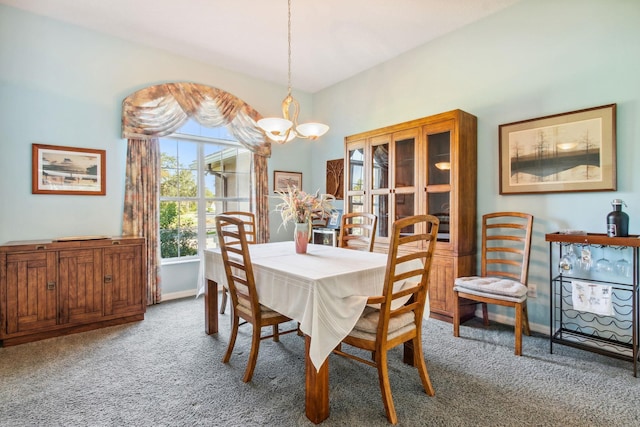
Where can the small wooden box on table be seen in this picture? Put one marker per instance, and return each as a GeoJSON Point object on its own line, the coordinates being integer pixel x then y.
{"type": "Point", "coordinates": [51, 288]}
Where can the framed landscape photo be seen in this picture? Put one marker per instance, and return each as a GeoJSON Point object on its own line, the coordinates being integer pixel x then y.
{"type": "Point", "coordinates": [68, 170]}
{"type": "Point", "coordinates": [574, 151]}
{"type": "Point", "coordinates": [282, 180]}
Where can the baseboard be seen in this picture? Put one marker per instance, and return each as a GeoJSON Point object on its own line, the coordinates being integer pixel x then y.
{"type": "Point", "coordinates": [180, 294]}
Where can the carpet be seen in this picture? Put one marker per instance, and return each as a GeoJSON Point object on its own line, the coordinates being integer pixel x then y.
{"type": "Point", "coordinates": [165, 371]}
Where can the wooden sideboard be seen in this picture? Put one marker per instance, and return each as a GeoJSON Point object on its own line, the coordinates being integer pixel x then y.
{"type": "Point", "coordinates": [51, 288]}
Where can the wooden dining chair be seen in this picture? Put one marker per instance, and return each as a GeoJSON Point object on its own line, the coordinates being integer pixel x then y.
{"type": "Point", "coordinates": [249, 221]}
{"type": "Point", "coordinates": [506, 245]}
{"type": "Point", "coordinates": [242, 288]}
{"type": "Point", "coordinates": [395, 317]}
{"type": "Point", "coordinates": [358, 231]}
{"type": "Point", "coordinates": [318, 219]}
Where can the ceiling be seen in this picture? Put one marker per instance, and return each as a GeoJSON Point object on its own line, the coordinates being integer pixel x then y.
{"type": "Point", "coordinates": [331, 39]}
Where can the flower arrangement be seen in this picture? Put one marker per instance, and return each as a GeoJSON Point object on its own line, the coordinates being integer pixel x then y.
{"type": "Point", "coordinates": [297, 206]}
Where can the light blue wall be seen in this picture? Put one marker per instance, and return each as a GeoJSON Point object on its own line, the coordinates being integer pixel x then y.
{"type": "Point", "coordinates": [536, 58]}
{"type": "Point", "coordinates": [63, 85]}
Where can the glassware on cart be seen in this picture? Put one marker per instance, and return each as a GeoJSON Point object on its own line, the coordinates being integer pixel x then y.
{"type": "Point", "coordinates": [603, 265]}
{"type": "Point", "coordinates": [586, 260]}
{"type": "Point", "coordinates": [622, 266]}
{"type": "Point", "coordinates": [567, 262]}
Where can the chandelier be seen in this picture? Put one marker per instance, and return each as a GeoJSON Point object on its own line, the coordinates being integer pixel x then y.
{"type": "Point", "coordinates": [284, 129]}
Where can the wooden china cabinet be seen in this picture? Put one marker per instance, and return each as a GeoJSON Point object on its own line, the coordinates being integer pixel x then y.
{"type": "Point", "coordinates": [426, 165]}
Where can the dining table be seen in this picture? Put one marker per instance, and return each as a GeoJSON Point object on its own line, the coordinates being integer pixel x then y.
{"type": "Point", "coordinates": [325, 290]}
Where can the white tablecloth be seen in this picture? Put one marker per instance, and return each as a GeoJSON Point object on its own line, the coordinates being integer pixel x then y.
{"type": "Point", "coordinates": [325, 289]}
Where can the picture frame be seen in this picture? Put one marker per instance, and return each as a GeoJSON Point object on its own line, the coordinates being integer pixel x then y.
{"type": "Point", "coordinates": [567, 152]}
{"type": "Point", "coordinates": [283, 179]}
{"type": "Point", "coordinates": [335, 219]}
{"type": "Point", "coordinates": [335, 178]}
{"type": "Point", "coordinates": [68, 170]}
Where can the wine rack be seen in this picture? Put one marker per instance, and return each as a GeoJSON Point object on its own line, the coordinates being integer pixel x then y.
{"type": "Point", "coordinates": [615, 333]}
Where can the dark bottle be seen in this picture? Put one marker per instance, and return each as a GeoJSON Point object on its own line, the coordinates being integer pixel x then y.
{"type": "Point", "coordinates": [617, 221]}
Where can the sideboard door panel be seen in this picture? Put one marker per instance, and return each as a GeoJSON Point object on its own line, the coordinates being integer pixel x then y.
{"type": "Point", "coordinates": [80, 273]}
{"type": "Point", "coordinates": [123, 280]}
{"type": "Point", "coordinates": [32, 291]}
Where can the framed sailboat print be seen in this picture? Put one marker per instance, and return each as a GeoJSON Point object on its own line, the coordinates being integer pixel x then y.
{"type": "Point", "coordinates": [68, 170]}
{"type": "Point", "coordinates": [574, 151]}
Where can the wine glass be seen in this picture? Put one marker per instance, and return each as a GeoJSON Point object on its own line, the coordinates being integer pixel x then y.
{"type": "Point", "coordinates": [567, 262]}
{"type": "Point", "coordinates": [623, 267]}
{"type": "Point", "coordinates": [603, 265]}
{"type": "Point", "coordinates": [586, 261]}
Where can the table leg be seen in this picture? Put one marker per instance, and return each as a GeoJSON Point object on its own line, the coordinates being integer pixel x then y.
{"type": "Point", "coordinates": [211, 307]}
{"type": "Point", "coordinates": [317, 388]}
{"type": "Point", "coordinates": [408, 353]}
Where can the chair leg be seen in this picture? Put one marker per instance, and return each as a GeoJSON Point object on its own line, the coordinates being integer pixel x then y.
{"type": "Point", "coordinates": [456, 315]}
{"type": "Point", "coordinates": [485, 314]}
{"type": "Point", "coordinates": [518, 330]}
{"type": "Point", "coordinates": [223, 303]}
{"type": "Point", "coordinates": [419, 363]}
{"type": "Point", "coordinates": [253, 355]}
{"type": "Point", "coordinates": [525, 319]}
{"type": "Point", "coordinates": [276, 333]}
{"type": "Point", "coordinates": [385, 386]}
{"type": "Point", "coordinates": [232, 338]}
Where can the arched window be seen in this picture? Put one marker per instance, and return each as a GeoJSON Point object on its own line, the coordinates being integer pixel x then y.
{"type": "Point", "coordinates": [158, 111]}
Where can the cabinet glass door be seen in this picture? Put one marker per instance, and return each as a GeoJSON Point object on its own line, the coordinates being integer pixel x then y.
{"type": "Point", "coordinates": [379, 168]}
{"type": "Point", "coordinates": [439, 180]}
{"type": "Point", "coordinates": [404, 184]}
{"type": "Point", "coordinates": [355, 177]}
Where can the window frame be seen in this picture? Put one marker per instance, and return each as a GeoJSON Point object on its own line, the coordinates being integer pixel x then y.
{"type": "Point", "coordinates": [201, 200]}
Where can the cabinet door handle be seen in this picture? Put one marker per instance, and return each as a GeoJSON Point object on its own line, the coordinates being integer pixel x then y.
{"type": "Point", "coordinates": [115, 242]}
{"type": "Point", "coordinates": [51, 286]}
{"type": "Point", "coordinates": [40, 247]}
{"type": "Point", "coordinates": [108, 278]}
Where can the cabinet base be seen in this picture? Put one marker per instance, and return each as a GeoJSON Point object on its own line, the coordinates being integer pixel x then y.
{"type": "Point", "coordinates": [449, 319]}
{"type": "Point", "coordinates": [6, 342]}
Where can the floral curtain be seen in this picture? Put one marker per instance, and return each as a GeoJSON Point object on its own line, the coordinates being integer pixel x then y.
{"type": "Point", "coordinates": [261, 186]}
{"type": "Point", "coordinates": [141, 213]}
{"type": "Point", "coordinates": [160, 110]}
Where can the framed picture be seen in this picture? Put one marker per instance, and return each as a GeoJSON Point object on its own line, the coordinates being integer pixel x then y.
{"type": "Point", "coordinates": [573, 151]}
{"type": "Point", "coordinates": [282, 180]}
{"type": "Point", "coordinates": [67, 170]}
{"type": "Point", "coordinates": [335, 178]}
{"type": "Point", "coordinates": [335, 220]}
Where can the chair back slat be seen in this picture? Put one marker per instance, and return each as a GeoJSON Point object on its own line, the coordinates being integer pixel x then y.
{"type": "Point", "coordinates": [249, 222]}
{"type": "Point", "coordinates": [506, 244]}
{"type": "Point", "coordinates": [232, 238]}
{"type": "Point", "coordinates": [358, 231]}
{"type": "Point", "coordinates": [403, 280]}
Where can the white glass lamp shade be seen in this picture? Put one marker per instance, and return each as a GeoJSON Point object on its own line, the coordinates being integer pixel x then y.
{"type": "Point", "coordinates": [281, 139]}
{"type": "Point", "coordinates": [275, 125]}
{"type": "Point", "coordinates": [312, 130]}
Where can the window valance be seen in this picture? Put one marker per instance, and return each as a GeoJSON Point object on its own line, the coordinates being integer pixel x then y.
{"type": "Point", "coordinates": [160, 110]}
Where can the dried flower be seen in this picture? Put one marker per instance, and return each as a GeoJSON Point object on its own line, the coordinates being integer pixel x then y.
{"type": "Point", "coordinates": [297, 206]}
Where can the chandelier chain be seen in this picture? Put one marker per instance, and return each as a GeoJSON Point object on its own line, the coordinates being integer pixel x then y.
{"type": "Point", "coordinates": [289, 45]}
